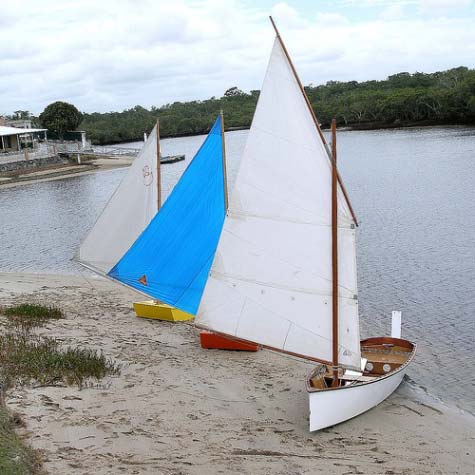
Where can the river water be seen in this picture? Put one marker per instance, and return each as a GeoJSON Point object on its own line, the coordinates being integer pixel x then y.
{"type": "Point", "coordinates": [413, 191]}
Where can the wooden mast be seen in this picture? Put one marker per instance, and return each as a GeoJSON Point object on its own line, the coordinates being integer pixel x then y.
{"type": "Point", "coordinates": [334, 258]}
{"type": "Point", "coordinates": [159, 183]}
{"type": "Point", "coordinates": [320, 133]}
{"type": "Point", "coordinates": [226, 199]}
{"type": "Point", "coordinates": [159, 178]}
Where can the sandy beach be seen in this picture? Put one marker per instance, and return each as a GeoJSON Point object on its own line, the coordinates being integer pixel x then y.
{"type": "Point", "coordinates": [178, 409]}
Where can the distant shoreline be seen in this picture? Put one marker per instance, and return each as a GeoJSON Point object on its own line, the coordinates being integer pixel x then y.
{"type": "Point", "coordinates": [356, 127]}
{"type": "Point", "coordinates": [172, 136]}
{"type": "Point", "coordinates": [95, 166]}
{"type": "Point", "coordinates": [405, 125]}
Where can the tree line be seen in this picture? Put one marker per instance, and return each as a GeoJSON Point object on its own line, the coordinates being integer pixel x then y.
{"type": "Point", "coordinates": [176, 119]}
{"type": "Point", "coordinates": [446, 97]}
{"type": "Point", "coordinates": [443, 97]}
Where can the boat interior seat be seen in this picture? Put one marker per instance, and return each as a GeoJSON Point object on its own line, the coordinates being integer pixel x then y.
{"type": "Point", "coordinates": [380, 362]}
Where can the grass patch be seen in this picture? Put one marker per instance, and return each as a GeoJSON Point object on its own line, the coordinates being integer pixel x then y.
{"type": "Point", "coordinates": [15, 457]}
{"type": "Point", "coordinates": [34, 311]}
{"type": "Point", "coordinates": [25, 357]}
{"type": "Point", "coordinates": [31, 315]}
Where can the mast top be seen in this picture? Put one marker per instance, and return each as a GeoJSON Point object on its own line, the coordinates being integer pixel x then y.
{"type": "Point", "coordinates": [314, 117]}
{"type": "Point", "coordinates": [274, 25]}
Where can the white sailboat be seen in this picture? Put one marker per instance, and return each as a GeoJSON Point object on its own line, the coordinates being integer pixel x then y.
{"type": "Point", "coordinates": [128, 212]}
{"type": "Point", "coordinates": [284, 273]}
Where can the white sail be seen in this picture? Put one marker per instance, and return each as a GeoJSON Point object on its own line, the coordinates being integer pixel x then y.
{"type": "Point", "coordinates": [127, 214]}
{"type": "Point", "coordinates": [271, 280]}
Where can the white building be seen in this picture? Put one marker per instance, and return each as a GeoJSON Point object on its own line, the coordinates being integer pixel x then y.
{"type": "Point", "coordinates": [13, 139]}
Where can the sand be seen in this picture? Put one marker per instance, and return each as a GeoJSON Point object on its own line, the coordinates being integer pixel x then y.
{"type": "Point", "coordinates": [60, 172]}
{"type": "Point", "coordinates": [178, 409]}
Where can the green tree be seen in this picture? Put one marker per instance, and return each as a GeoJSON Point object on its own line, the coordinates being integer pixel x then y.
{"type": "Point", "coordinates": [234, 91]}
{"type": "Point", "coordinates": [59, 117]}
{"type": "Point", "coordinates": [21, 115]}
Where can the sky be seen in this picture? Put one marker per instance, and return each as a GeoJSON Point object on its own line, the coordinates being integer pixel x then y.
{"type": "Point", "coordinates": [110, 55]}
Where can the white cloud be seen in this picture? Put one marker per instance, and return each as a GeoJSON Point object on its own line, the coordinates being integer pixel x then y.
{"type": "Point", "coordinates": [442, 6]}
{"type": "Point", "coordinates": [287, 16]}
{"type": "Point", "coordinates": [393, 12]}
{"type": "Point", "coordinates": [111, 55]}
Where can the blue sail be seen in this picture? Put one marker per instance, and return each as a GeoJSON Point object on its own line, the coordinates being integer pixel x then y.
{"type": "Point", "coordinates": [171, 259]}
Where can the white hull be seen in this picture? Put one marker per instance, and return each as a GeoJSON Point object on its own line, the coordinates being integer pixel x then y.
{"type": "Point", "coordinates": [328, 408]}
{"type": "Point", "coordinates": [335, 405]}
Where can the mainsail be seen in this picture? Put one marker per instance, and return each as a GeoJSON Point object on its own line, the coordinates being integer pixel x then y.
{"type": "Point", "coordinates": [171, 259]}
{"type": "Point", "coordinates": [271, 280]}
{"type": "Point", "coordinates": [126, 215]}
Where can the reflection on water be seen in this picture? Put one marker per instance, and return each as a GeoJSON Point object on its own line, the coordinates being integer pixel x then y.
{"type": "Point", "coordinates": [413, 192]}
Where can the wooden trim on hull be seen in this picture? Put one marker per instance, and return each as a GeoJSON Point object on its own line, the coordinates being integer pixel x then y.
{"type": "Point", "coordinates": [380, 343]}
{"type": "Point", "coordinates": [388, 340]}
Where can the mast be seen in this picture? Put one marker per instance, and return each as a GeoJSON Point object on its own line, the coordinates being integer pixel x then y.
{"type": "Point", "coordinates": [319, 130]}
{"type": "Point", "coordinates": [225, 175]}
{"type": "Point", "coordinates": [334, 258]}
{"type": "Point", "coordinates": [159, 179]}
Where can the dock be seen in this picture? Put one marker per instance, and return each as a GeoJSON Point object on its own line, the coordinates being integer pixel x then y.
{"type": "Point", "coordinates": [105, 152]}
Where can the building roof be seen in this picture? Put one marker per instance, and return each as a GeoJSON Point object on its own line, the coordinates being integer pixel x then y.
{"type": "Point", "coordinates": [17, 131]}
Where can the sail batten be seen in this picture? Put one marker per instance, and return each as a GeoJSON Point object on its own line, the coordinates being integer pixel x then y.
{"type": "Point", "coordinates": [271, 279]}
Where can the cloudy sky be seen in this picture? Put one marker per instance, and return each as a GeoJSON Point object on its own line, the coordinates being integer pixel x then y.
{"type": "Point", "coordinates": [109, 55]}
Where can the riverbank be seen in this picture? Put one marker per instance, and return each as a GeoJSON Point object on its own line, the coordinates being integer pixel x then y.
{"type": "Point", "coordinates": [60, 171]}
{"type": "Point", "coordinates": [168, 136]}
{"type": "Point", "coordinates": [177, 408]}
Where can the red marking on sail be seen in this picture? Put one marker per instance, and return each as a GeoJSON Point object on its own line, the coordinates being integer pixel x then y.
{"type": "Point", "coordinates": [143, 280]}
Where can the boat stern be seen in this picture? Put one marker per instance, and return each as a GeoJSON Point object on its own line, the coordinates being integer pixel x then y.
{"type": "Point", "coordinates": [386, 362]}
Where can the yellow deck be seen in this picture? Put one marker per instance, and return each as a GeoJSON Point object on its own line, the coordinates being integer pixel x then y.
{"type": "Point", "coordinates": [160, 311]}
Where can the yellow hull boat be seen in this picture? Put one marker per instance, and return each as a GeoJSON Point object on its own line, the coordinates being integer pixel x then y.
{"type": "Point", "coordinates": [160, 311]}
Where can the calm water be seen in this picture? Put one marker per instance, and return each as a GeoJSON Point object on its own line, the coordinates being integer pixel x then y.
{"type": "Point", "coordinates": [414, 194]}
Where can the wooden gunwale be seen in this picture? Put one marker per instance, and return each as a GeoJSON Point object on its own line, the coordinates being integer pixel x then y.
{"type": "Point", "coordinates": [387, 340]}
